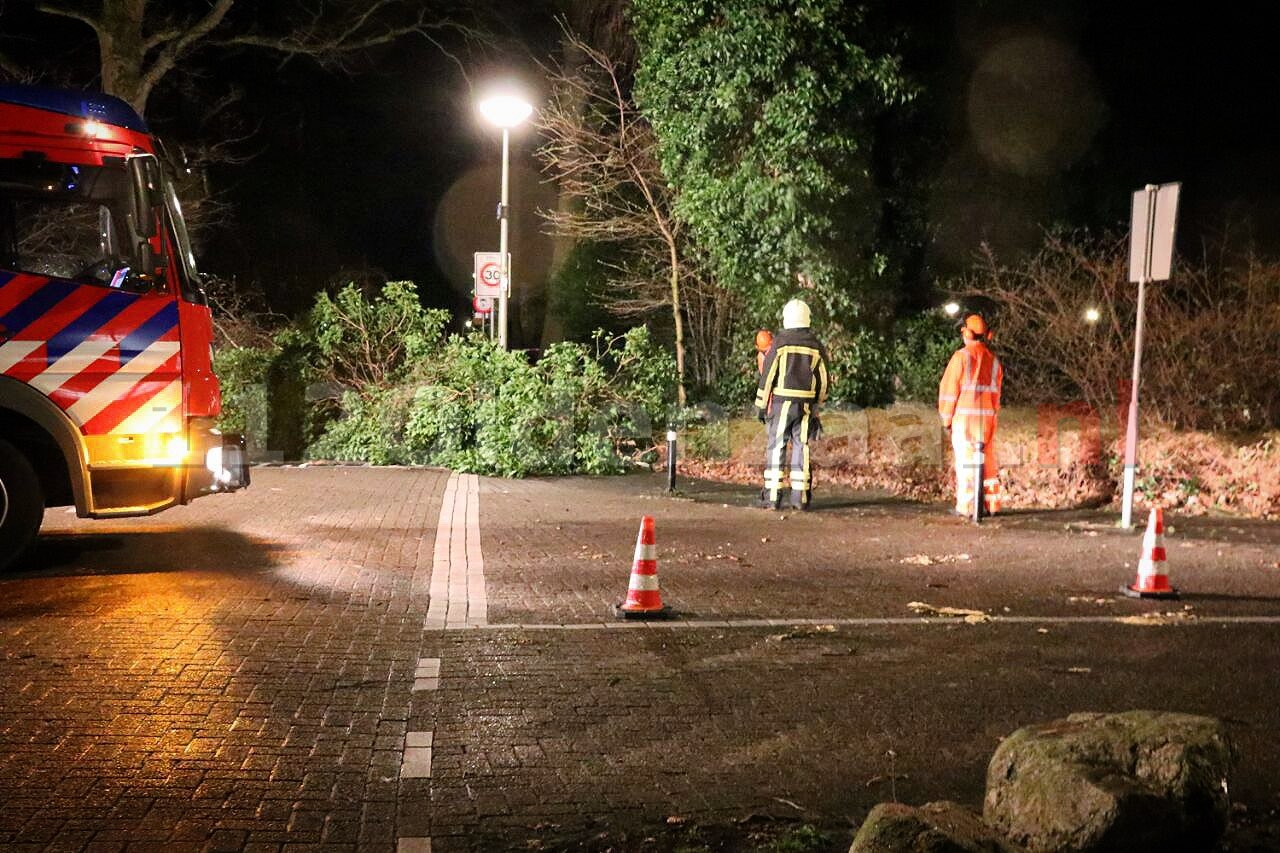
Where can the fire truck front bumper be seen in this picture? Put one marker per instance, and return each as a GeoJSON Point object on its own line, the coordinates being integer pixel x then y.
{"type": "Point", "coordinates": [225, 465]}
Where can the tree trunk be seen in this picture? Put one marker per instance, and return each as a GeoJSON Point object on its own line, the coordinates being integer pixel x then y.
{"type": "Point", "coordinates": [679, 321]}
{"type": "Point", "coordinates": [122, 50]}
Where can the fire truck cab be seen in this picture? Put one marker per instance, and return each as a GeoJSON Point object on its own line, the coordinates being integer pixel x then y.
{"type": "Point", "coordinates": [108, 398]}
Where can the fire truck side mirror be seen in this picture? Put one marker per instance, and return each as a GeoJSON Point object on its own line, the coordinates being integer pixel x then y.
{"type": "Point", "coordinates": [144, 175]}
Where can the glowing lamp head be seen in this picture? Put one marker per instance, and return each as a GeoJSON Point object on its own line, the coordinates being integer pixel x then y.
{"type": "Point", "coordinates": [951, 308]}
{"type": "Point", "coordinates": [506, 110]}
{"type": "Point", "coordinates": [1092, 315]}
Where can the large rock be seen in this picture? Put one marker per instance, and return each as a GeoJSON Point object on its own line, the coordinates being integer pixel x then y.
{"type": "Point", "coordinates": [932, 828]}
{"type": "Point", "coordinates": [1141, 780]}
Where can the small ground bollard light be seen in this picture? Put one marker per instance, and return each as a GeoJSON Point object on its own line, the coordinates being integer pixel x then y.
{"type": "Point", "coordinates": [671, 460]}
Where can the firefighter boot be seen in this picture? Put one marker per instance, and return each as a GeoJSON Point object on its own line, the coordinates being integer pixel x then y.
{"type": "Point", "coordinates": [765, 502]}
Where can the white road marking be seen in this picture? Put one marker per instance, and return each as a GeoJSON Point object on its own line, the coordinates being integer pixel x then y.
{"type": "Point", "coordinates": [457, 587]}
{"type": "Point", "coordinates": [417, 755]}
{"type": "Point", "coordinates": [427, 675]}
{"type": "Point", "coordinates": [1133, 620]}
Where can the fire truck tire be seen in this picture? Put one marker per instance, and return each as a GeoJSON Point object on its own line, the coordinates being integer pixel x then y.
{"type": "Point", "coordinates": [21, 504]}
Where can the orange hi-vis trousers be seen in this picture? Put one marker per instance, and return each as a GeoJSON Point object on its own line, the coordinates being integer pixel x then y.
{"type": "Point", "coordinates": [966, 451]}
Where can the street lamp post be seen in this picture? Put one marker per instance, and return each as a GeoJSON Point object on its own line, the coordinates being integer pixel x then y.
{"type": "Point", "coordinates": [505, 111]}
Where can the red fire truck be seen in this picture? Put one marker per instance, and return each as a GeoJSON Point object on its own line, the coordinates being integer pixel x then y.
{"type": "Point", "coordinates": [107, 394]}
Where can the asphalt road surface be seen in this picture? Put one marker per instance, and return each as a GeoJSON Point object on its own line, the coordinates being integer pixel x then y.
{"type": "Point", "coordinates": [348, 658]}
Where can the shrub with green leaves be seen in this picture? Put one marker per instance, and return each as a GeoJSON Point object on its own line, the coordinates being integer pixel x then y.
{"type": "Point", "coordinates": [470, 406]}
{"type": "Point", "coordinates": [242, 372]}
{"type": "Point", "coordinates": [765, 114]}
{"type": "Point", "coordinates": [371, 429]}
{"type": "Point", "coordinates": [861, 368]}
{"type": "Point", "coordinates": [373, 378]}
{"type": "Point", "coordinates": [923, 347]}
{"type": "Point", "coordinates": [360, 341]}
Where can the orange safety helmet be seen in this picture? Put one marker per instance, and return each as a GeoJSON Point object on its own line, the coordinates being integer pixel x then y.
{"type": "Point", "coordinates": [974, 327]}
{"type": "Point", "coordinates": [764, 340]}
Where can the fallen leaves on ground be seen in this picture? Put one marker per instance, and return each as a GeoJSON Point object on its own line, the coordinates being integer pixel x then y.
{"type": "Point", "coordinates": [1195, 471]}
{"type": "Point", "coordinates": [971, 617]}
{"type": "Point", "coordinates": [1156, 617]}
{"type": "Point", "coordinates": [803, 632]}
{"type": "Point", "coordinates": [926, 560]}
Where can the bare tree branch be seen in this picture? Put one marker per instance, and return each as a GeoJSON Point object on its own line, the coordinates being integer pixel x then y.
{"type": "Point", "coordinates": [331, 42]}
{"type": "Point", "coordinates": [174, 50]}
{"type": "Point", "coordinates": [601, 152]}
{"type": "Point", "coordinates": [11, 69]}
{"type": "Point", "coordinates": [74, 14]}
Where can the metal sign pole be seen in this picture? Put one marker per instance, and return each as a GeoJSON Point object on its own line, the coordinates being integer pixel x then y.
{"type": "Point", "coordinates": [505, 284]}
{"type": "Point", "coordinates": [1131, 433]}
{"type": "Point", "coordinates": [979, 463]}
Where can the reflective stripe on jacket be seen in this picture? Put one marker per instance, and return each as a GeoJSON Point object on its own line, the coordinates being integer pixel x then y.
{"type": "Point", "coordinates": [971, 385]}
{"type": "Point", "coordinates": [795, 368]}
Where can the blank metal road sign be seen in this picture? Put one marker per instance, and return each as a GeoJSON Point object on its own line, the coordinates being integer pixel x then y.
{"type": "Point", "coordinates": [1151, 235]}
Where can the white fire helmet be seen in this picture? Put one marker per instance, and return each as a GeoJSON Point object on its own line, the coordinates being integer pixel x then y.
{"type": "Point", "coordinates": [795, 315]}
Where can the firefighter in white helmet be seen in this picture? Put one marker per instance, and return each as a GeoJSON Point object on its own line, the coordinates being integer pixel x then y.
{"type": "Point", "coordinates": [794, 373]}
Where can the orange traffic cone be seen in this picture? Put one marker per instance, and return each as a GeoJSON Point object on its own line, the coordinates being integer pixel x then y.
{"type": "Point", "coordinates": [1152, 581]}
{"type": "Point", "coordinates": [643, 597]}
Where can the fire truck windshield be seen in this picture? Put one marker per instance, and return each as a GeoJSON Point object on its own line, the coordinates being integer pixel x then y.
{"type": "Point", "coordinates": [66, 221]}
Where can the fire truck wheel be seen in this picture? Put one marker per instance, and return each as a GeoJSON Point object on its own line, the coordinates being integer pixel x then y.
{"type": "Point", "coordinates": [21, 504]}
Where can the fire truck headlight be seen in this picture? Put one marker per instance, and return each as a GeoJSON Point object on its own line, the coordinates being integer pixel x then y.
{"type": "Point", "coordinates": [176, 448]}
{"type": "Point", "coordinates": [214, 463]}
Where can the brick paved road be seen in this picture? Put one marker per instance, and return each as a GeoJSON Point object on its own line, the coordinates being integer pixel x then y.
{"type": "Point", "coordinates": [312, 663]}
{"type": "Point", "coordinates": [232, 675]}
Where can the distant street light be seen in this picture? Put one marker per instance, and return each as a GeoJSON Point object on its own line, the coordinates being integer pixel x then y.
{"type": "Point", "coordinates": [505, 111]}
{"type": "Point", "coordinates": [1092, 315]}
{"type": "Point", "coordinates": [952, 308]}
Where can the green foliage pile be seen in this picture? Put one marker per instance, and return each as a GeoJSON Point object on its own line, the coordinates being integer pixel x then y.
{"type": "Point", "coordinates": [861, 369]}
{"type": "Point", "coordinates": [764, 115]}
{"type": "Point", "coordinates": [377, 380]}
{"type": "Point", "coordinates": [922, 346]}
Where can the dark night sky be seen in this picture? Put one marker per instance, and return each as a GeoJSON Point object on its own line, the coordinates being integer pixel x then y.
{"type": "Point", "coordinates": [1050, 113]}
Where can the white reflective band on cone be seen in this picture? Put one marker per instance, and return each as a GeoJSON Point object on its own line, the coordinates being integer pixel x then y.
{"type": "Point", "coordinates": [646, 552]}
{"type": "Point", "coordinates": [643, 583]}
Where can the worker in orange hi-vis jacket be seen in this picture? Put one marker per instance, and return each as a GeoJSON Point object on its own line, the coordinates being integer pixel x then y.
{"type": "Point", "coordinates": [968, 402]}
{"type": "Point", "coordinates": [764, 342]}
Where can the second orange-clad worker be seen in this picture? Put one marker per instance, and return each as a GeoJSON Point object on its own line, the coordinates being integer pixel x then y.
{"type": "Point", "coordinates": [968, 402]}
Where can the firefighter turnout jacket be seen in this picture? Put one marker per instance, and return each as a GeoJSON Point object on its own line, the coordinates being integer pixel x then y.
{"type": "Point", "coordinates": [795, 368]}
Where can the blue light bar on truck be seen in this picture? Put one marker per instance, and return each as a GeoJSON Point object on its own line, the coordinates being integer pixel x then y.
{"type": "Point", "coordinates": [91, 106]}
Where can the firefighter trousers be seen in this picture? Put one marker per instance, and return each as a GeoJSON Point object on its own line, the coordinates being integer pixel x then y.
{"type": "Point", "coordinates": [969, 469]}
{"type": "Point", "coordinates": [790, 421]}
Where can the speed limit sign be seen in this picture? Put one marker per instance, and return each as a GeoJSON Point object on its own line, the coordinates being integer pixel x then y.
{"type": "Point", "coordinates": [482, 304]}
{"type": "Point", "coordinates": [488, 274]}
